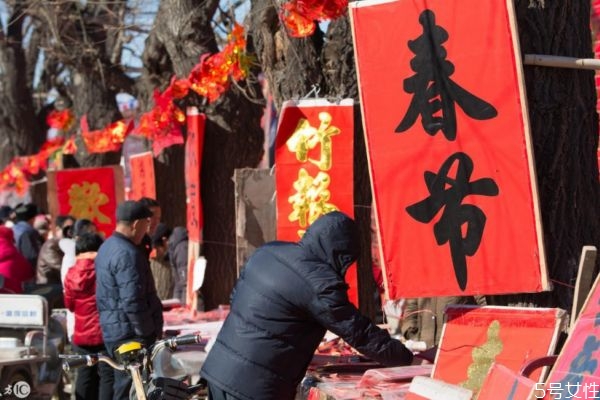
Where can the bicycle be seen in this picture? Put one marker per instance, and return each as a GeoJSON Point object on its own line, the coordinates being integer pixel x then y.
{"type": "Point", "coordinates": [152, 369]}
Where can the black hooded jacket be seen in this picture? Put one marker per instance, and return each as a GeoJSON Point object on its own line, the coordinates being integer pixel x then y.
{"type": "Point", "coordinates": [287, 296]}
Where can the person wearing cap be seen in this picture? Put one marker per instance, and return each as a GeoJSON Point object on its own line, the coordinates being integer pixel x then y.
{"type": "Point", "coordinates": [152, 205]}
{"type": "Point", "coordinates": [126, 297]}
{"type": "Point", "coordinates": [28, 240]}
{"type": "Point", "coordinates": [162, 272]}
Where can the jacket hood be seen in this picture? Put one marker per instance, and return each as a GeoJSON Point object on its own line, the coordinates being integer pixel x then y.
{"type": "Point", "coordinates": [333, 238]}
{"type": "Point", "coordinates": [179, 234]}
{"type": "Point", "coordinates": [83, 275]}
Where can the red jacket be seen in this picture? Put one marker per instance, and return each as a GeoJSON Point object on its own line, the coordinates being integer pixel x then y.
{"type": "Point", "coordinates": [13, 266]}
{"type": "Point", "coordinates": [80, 298]}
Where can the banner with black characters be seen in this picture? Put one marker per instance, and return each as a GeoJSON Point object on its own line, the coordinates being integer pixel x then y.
{"type": "Point", "coordinates": [449, 147]}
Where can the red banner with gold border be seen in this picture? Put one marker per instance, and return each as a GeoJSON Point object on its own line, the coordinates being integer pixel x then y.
{"type": "Point", "coordinates": [449, 147]}
{"type": "Point", "coordinates": [314, 174]}
{"type": "Point", "coordinates": [142, 176]}
{"type": "Point", "coordinates": [91, 193]}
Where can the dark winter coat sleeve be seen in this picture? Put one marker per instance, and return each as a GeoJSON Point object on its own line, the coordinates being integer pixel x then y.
{"type": "Point", "coordinates": [333, 310]}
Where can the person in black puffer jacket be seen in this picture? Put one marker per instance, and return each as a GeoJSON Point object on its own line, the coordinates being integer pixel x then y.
{"type": "Point", "coordinates": [126, 298]}
{"type": "Point", "coordinates": [286, 298]}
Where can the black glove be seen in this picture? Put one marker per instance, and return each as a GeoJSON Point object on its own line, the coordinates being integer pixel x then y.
{"type": "Point", "coordinates": [167, 389]}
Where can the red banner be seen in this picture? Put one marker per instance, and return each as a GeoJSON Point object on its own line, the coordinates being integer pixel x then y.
{"type": "Point", "coordinates": [143, 183]}
{"type": "Point", "coordinates": [576, 373]}
{"type": "Point", "coordinates": [449, 147]}
{"type": "Point", "coordinates": [193, 164]}
{"type": "Point", "coordinates": [91, 193]}
{"type": "Point", "coordinates": [314, 175]}
{"type": "Point", "coordinates": [475, 337]}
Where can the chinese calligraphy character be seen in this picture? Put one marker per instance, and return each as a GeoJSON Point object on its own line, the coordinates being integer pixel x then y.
{"type": "Point", "coordinates": [306, 137]}
{"type": "Point", "coordinates": [448, 193]}
{"type": "Point", "coordinates": [583, 364]}
{"type": "Point", "coordinates": [85, 201]}
{"type": "Point", "coordinates": [432, 88]}
{"type": "Point", "coordinates": [311, 198]}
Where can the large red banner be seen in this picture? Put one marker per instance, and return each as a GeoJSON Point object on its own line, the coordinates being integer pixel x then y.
{"type": "Point", "coordinates": [193, 163]}
{"type": "Point", "coordinates": [90, 193]}
{"type": "Point", "coordinates": [142, 176]}
{"type": "Point", "coordinates": [449, 147]}
{"type": "Point", "coordinates": [314, 175]}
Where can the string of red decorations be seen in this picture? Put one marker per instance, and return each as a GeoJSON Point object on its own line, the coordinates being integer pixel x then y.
{"type": "Point", "coordinates": [210, 78]}
{"type": "Point", "coordinates": [299, 16]}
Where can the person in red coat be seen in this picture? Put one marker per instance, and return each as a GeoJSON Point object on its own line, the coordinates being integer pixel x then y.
{"type": "Point", "coordinates": [14, 268]}
{"type": "Point", "coordinates": [80, 297]}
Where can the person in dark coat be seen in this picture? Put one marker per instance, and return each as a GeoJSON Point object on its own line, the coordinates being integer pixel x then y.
{"type": "Point", "coordinates": [28, 240]}
{"type": "Point", "coordinates": [154, 207]}
{"type": "Point", "coordinates": [178, 256]}
{"type": "Point", "coordinates": [286, 298]}
{"type": "Point", "coordinates": [93, 382]}
{"type": "Point", "coordinates": [125, 293]}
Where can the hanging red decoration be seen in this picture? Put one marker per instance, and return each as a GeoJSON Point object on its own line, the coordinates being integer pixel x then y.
{"type": "Point", "coordinates": [108, 139]}
{"type": "Point", "coordinates": [61, 120]}
{"type": "Point", "coordinates": [299, 16]}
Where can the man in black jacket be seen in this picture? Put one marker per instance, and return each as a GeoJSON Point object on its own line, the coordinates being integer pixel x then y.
{"type": "Point", "coordinates": [126, 297]}
{"type": "Point", "coordinates": [287, 296]}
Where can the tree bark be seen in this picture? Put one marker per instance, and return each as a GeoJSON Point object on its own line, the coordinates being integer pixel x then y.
{"type": "Point", "coordinates": [22, 133]}
{"type": "Point", "coordinates": [564, 126]}
{"type": "Point", "coordinates": [233, 138]}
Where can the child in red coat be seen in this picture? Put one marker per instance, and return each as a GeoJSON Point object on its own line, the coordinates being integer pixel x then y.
{"type": "Point", "coordinates": [80, 297]}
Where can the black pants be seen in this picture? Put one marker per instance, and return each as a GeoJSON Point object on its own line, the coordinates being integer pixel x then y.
{"type": "Point", "coordinates": [123, 382]}
{"type": "Point", "coordinates": [214, 393]}
{"type": "Point", "coordinates": [94, 382]}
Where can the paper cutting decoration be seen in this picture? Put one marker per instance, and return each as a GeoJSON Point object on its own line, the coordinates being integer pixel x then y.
{"type": "Point", "coordinates": [448, 147]}
{"type": "Point", "coordinates": [314, 174]}
{"type": "Point", "coordinates": [142, 176]}
{"type": "Point", "coordinates": [473, 338]}
{"type": "Point", "coordinates": [91, 193]}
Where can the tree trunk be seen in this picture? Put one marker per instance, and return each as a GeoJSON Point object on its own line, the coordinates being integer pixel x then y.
{"type": "Point", "coordinates": [564, 126]}
{"type": "Point", "coordinates": [22, 133]}
{"type": "Point", "coordinates": [233, 137]}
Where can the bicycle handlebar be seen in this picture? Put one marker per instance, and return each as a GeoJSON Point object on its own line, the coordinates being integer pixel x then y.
{"type": "Point", "coordinates": [80, 360]}
{"type": "Point", "coordinates": [87, 360]}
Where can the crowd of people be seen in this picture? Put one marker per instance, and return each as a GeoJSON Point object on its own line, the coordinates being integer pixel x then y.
{"type": "Point", "coordinates": [112, 286]}
{"type": "Point", "coordinates": [287, 296]}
